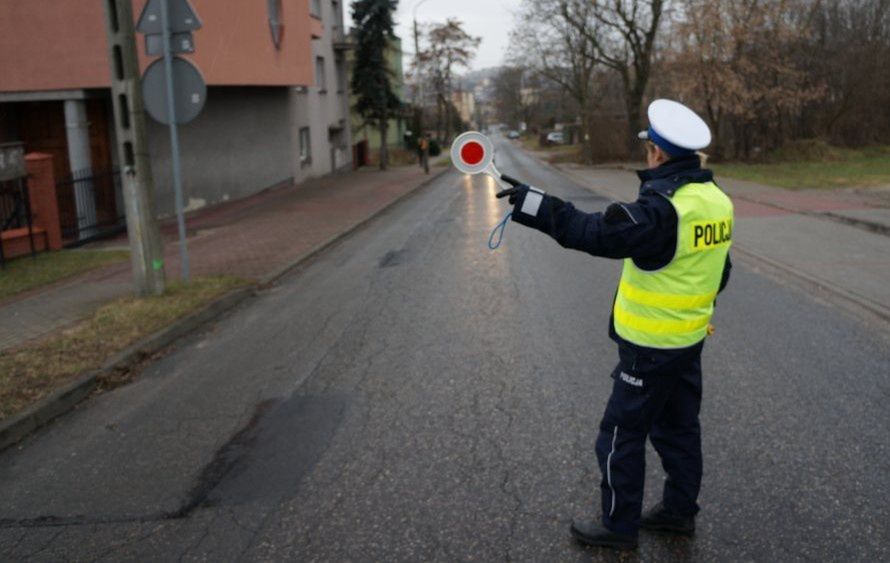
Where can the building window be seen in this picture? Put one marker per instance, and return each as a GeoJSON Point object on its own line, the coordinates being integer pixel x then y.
{"type": "Point", "coordinates": [335, 9]}
{"type": "Point", "coordinates": [341, 74]}
{"type": "Point", "coordinates": [320, 78]}
{"type": "Point", "coordinates": [315, 8]}
{"type": "Point", "coordinates": [305, 146]}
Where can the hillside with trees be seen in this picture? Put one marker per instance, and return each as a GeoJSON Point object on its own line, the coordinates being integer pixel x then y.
{"type": "Point", "coordinates": [763, 73]}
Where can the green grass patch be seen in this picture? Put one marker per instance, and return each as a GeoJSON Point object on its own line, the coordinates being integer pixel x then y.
{"type": "Point", "coordinates": [530, 143]}
{"type": "Point", "coordinates": [816, 165]}
{"type": "Point", "coordinates": [32, 371]}
{"type": "Point", "coordinates": [565, 153]}
{"type": "Point", "coordinates": [554, 153]}
{"type": "Point", "coordinates": [27, 273]}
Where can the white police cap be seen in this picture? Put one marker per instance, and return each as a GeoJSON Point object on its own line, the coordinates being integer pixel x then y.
{"type": "Point", "coordinates": [676, 128]}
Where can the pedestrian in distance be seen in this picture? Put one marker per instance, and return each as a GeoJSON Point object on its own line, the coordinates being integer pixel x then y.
{"type": "Point", "coordinates": [674, 241]}
{"type": "Point", "coordinates": [424, 148]}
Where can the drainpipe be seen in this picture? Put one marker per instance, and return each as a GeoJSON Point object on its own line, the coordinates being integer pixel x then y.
{"type": "Point", "coordinates": [78, 135]}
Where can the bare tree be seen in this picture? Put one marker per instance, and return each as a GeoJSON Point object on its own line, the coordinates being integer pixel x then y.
{"type": "Point", "coordinates": [509, 103]}
{"type": "Point", "coordinates": [746, 60]}
{"type": "Point", "coordinates": [622, 34]}
{"type": "Point", "coordinates": [762, 72]}
{"type": "Point", "coordinates": [551, 42]}
{"type": "Point", "coordinates": [850, 54]}
{"type": "Point", "coordinates": [449, 48]}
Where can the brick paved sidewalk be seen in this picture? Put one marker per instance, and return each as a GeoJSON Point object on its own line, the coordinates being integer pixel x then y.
{"type": "Point", "coordinates": [869, 207]}
{"type": "Point", "coordinates": [250, 238]}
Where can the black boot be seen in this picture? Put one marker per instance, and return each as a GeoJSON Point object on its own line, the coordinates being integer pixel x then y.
{"type": "Point", "coordinates": [591, 533]}
{"type": "Point", "coordinates": [660, 519]}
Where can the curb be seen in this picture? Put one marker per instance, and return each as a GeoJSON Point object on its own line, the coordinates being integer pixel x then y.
{"type": "Point", "coordinates": [19, 426]}
{"type": "Point", "coordinates": [863, 224]}
{"type": "Point", "coordinates": [63, 400]}
{"type": "Point", "coordinates": [278, 273]}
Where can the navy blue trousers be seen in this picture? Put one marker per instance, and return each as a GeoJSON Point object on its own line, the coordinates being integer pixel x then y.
{"type": "Point", "coordinates": [659, 399]}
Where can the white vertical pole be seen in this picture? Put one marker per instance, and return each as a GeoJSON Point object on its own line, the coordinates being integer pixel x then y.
{"type": "Point", "coordinates": [174, 141]}
{"type": "Point", "coordinates": [77, 134]}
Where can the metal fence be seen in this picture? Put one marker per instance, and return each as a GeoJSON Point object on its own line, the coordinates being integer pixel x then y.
{"type": "Point", "coordinates": [90, 206]}
{"type": "Point", "coordinates": [15, 211]}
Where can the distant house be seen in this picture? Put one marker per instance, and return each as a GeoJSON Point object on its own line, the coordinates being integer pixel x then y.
{"type": "Point", "coordinates": [366, 136]}
{"type": "Point", "coordinates": [465, 102]}
{"type": "Point", "coordinates": [276, 111]}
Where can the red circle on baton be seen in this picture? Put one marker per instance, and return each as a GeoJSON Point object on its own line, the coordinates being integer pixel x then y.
{"type": "Point", "coordinates": [472, 153]}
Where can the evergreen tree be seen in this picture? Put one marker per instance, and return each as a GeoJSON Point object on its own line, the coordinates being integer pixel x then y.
{"type": "Point", "coordinates": [371, 75]}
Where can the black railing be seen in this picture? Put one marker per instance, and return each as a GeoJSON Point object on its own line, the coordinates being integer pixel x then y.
{"type": "Point", "coordinates": [15, 212]}
{"type": "Point", "coordinates": [90, 206]}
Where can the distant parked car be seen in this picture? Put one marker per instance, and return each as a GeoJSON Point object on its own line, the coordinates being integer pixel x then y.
{"type": "Point", "coordinates": [513, 134]}
{"type": "Point", "coordinates": [555, 138]}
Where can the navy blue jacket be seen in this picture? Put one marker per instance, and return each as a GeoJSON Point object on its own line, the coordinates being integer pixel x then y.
{"type": "Point", "coordinates": [644, 230]}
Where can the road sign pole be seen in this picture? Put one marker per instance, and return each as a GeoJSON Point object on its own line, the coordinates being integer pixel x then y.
{"type": "Point", "coordinates": [146, 251]}
{"type": "Point", "coordinates": [174, 140]}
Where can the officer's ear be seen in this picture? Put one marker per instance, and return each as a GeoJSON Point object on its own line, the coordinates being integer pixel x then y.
{"type": "Point", "coordinates": [659, 154]}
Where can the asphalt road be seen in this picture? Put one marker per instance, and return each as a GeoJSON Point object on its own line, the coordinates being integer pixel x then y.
{"type": "Point", "coordinates": [411, 395]}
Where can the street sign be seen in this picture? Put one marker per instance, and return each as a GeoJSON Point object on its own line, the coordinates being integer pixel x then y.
{"type": "Point", "coordinates": [12, 161]}
{"type": "Point", "coordinates": [179, 43]}
{"type": "Point", "coordinates": [189, 91]}
{"type": "Point", "coordinates": [181, 15]}
{"type": "Point", "coordinates": [173, 88]}
{"type": "Point", "coordinates": [473, 153]}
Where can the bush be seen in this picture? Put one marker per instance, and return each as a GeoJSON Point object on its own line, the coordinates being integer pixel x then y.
{"type": "Point", "coordinates": [398, 156]}
{"type": "Point", "coordinates": [809, 150]}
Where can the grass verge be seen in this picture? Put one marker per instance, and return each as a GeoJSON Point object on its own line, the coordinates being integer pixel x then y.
{"type": "Point", "coordinates": [554, 154]}
{"type": "Point", "coordinates": [836, 168]}
{"type": "Point", "coordinates": [530, 143]}
{"type": "Point", "coordinates": [31, 372]}
{"type": "Point", "coordinates": [27, 273]}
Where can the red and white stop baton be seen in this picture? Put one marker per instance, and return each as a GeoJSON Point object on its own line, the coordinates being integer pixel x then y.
{"type": "Point", "coordinates": [473, 153]}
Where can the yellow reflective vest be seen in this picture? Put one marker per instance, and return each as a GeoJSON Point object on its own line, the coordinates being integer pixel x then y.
{"type": "Point", "coordinates": [672, 307]}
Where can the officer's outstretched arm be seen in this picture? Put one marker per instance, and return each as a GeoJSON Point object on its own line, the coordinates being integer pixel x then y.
{"type": "Point", "coordinates": [727, 270]}
{"type": "Point", "coordinates": [622, 231]}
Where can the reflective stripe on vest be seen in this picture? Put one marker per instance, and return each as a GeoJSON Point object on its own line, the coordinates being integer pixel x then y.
{"type": "Point", "coordinates": [671, 307]}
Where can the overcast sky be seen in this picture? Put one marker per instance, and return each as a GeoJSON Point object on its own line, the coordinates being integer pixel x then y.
{"type": "Point", "coordinates": [489, 19]}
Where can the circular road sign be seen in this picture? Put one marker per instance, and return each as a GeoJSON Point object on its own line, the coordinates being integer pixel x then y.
{"type": "Point", "coordinates": [189, 91]}
{"type": "Point", "coordinates": [472, 153]}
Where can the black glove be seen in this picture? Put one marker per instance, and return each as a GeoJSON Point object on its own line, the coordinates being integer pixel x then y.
{"type": "Point", "coordinates": [518, 190]}
{"type": "Point", "coordinates": [513, 193]}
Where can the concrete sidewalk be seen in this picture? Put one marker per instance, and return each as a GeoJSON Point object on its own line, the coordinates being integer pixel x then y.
{"type": "Point", "coordinates": [253, 238]}
{"type": "Point", "coordinates": [797, 231]}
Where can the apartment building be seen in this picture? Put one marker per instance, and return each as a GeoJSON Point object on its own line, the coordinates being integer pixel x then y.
{"type": "Point", "coordinates": [277, 108]}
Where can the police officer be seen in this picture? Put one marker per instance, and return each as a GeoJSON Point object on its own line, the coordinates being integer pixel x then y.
{"type": "Point", "coordinates": [674, 240]}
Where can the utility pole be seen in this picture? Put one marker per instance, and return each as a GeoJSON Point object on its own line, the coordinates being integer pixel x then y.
{"type": "Point", "coordinates": [146, 251]}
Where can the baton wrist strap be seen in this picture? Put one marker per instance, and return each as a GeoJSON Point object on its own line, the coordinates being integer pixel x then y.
{"type": "Point", "coordinates": [498, 232]}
